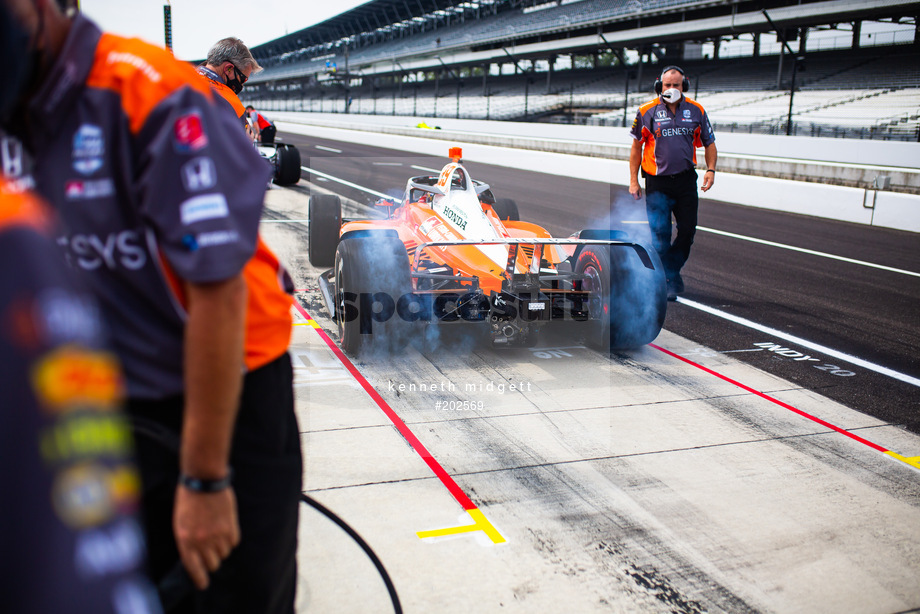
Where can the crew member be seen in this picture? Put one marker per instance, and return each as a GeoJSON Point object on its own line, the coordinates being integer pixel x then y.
{"type": "Point", "coordinates": [227, 68]}
{"type": "Point", "coordinates": [160, 196]}
{"type": "Point", "coordinates": [69, 535]}
{"type": "Point", "coordinates": [264, 129]}
{"type": "Point", "coordinates": [666, 132]}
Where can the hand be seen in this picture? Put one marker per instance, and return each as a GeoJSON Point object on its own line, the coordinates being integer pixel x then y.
{"type": "Point", "coordinates": [635, 190]}
{"type": "Point", "coordinates": [207, 530]}
{"type": "Point", "coordinates": [708, 180]}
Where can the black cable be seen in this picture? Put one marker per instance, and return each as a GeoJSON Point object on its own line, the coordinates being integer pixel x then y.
{"type": "Point", "coordinates": [360, 541]}
{"type": "Point", "coordinates": [176, 585]}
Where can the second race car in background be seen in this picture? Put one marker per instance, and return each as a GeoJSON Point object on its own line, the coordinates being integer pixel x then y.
{"type": "Point", "coordinates": [284, 159]}
{"type": "Point", "coordinates": [451, 254]}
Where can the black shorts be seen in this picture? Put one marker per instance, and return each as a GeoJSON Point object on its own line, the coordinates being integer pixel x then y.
{"type": "Point", "coordinates": [260, 574]}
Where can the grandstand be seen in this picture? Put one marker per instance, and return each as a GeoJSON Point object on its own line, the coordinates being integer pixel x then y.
{"type": "Point", "coordinates": [594, 61]}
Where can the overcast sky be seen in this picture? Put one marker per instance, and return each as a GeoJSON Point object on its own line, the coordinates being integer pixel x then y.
{"type": "Point", "coordinates": [198, 24]}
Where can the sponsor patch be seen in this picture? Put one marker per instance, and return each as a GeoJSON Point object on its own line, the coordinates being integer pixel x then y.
{"type": "Point", "coordinates": [84, 435]}
{"type": "Point", "coordinates": [204, 207]}
{"type": "Point", "coordinates": [90, 494]}
{"type": "Point", "coordinates": [114, 550]}
{"type": "Point", "coordinates": [69, 378]}
{"type": "Point", "coordinates": [687, 113]}
{"type": "Point", "coordinates": [199, 174]}
{"type": "Point", "coordinates": [188, 133]}
{"type": "Point", "coordinates": [218, 237]}
{"type": "Point", "coordinates": [80, 189]}
{"type": "Point", "coordinates": [67, 317]}
{"type": "Point", "coordinates": [140, 63]}
{"type": "Point", "coordinates": [88, 149]}
{"type": "Point", "coordinates": [81, 496]}
{"type": "Point", "coordinates": [11, 158]}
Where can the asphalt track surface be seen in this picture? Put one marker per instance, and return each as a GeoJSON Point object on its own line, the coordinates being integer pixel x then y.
{"type": "Point", "coordinates": [871, 313]}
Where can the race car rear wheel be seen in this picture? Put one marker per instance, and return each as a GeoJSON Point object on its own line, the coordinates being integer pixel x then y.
{"type": "Point", "coordinates": [287, 164]}
{"type": "Point", "coordinates": [371, 276]}
{"type": "Point", "coordinates": [627, 302]}
{"type": "Point", "coordinates": [506, 209]}
{"type": "Point", "coordinates": [324, 216]}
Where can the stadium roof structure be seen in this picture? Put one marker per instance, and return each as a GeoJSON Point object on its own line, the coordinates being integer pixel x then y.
{"type": "Point", "coordinates": [364, 18]}
{"type": "Point", "coordinates": [383, 36]}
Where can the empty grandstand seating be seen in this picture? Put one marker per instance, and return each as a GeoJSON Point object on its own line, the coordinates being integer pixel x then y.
{"type": "Point", "coordinates": [864, 92]}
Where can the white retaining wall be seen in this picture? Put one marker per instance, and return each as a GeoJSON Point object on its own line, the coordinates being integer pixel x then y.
{"type": "Point", "coordinates": [880, 208]}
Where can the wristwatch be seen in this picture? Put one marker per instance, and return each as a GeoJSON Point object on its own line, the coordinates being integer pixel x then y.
{"type": "Point", "coordinates": [206, 486]}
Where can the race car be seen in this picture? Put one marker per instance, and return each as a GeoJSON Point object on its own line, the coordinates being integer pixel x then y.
{"type": "Point", "coordinates": [284, 159]}
{"type": "Point", "coordinates": [450, 255]}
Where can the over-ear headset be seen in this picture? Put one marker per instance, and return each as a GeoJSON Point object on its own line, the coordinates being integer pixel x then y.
{"type": "Point", "coordinates": [686, 83]}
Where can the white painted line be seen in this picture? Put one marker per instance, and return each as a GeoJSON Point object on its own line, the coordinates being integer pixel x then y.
{"type": "Point", "coordinates": [332, 149]}
{"type": "Point", "coordinates": [853, 360]}
{"type": "Point", "coordinates": [348, 183]}
{"type": "Point", "coordinates": [808, 251]}
{"type": "Point", "coordinates": [386, 163]}
{"type": "Point", "coordinates": [635, 222]}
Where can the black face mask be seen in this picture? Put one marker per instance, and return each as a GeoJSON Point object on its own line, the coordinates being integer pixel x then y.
{"type": "Point", "coordinates": [235, 84]}
{"type": "Point", "coordinates": [14, 48]}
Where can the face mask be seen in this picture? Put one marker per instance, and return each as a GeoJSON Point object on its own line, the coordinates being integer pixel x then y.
{"type": "Point", "coordinates": [235, 84]}
{"type": "Point", "coordinates": [671, 95]}
{"type": "Point", "coordinates": [14, 48]}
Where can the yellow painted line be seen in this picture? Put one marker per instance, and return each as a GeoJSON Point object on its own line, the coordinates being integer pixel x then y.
{"type": "Point", "coordinates": [312, 323]}
{"type": "Point", "coordinates": [480, 523]}
{"type": "Point", "coordinates": [913, 461]}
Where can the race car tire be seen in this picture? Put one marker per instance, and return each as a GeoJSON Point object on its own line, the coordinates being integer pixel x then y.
{"type": "Point", "coordinates": [628, 301]}
{"type": "Point", "coordinates": [324, 216]}
{"type": "Point", "coordinates": [371, 276]}
{"type": "Point", "coordinates": [506, 209]}
{"type": "Point", "coordinates": [287, 164]}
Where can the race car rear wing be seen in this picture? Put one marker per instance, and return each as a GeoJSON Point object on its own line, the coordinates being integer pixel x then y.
{"type": "Point", "coordinates": [538, 244]}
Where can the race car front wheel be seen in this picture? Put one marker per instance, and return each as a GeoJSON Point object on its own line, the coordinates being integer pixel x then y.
{"type": "Point", "coordinates": [627, 301]}
{"type": "Point", "coordinates": [324, 217]}
{"type": "Point", "coordinates": [287, 164]}
{"type": "Point", "coordinates": [371, 279]}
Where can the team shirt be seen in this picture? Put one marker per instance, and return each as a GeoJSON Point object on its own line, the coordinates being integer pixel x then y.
{"type": "Point", "coordinates": [670, 139]}
{"type": "Point", "coordinates": [155, 183]}
{"type": "Point", "coordinates": [224, 91]}
{"type": "Point", "coordinates": [71, 541]}
{"type": "Point", "coordinates": [262, 121]}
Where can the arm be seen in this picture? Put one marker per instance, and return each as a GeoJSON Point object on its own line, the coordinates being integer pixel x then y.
{"type": "Point", "coordinates": [635, 160]}
{"type": "Point", "coordinates": [711, 156]}
{"type": "Point", "coordinates": [206, 524]}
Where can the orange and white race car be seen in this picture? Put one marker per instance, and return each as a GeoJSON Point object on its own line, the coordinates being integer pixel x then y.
{"type": "Point", "coordinates": [450, 254]}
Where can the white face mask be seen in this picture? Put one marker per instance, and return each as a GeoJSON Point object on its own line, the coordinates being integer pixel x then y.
{"type": "Point", "coordinates": [671, 95]}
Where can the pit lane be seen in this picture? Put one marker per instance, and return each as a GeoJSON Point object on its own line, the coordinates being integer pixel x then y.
{"type": "Point", "coordinates": [635, 482]}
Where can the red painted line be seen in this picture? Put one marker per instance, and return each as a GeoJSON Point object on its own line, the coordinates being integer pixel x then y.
{"type": "Point", "coordinates": [824, 423]}
{"type": "Point", "coordinates": [404, 430]}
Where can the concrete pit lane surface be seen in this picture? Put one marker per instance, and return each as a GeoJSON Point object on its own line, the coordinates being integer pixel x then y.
{"type": "Point", "coordinates": [674, 478]}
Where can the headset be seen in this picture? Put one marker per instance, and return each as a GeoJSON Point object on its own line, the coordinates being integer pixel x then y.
{"type": "Point", "coordinates": [685, 84]}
